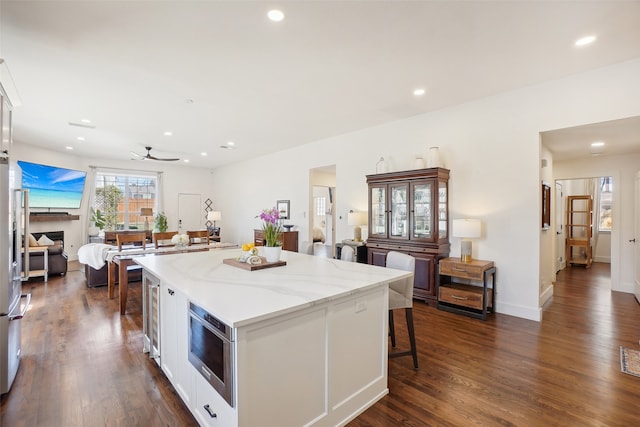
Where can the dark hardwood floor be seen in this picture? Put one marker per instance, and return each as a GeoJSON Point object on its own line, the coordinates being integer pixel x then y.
{"type": "Point", "coordinates": [83, 365]}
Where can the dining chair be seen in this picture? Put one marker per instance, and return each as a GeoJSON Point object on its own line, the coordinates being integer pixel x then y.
{"type": "Point", "coordinates": [202, 236]}
{"type": "Point", "coordinates": [401, 296]}
{"type": "Point", "coordinates": [136, 239]}
{"type": "Point", "coordinates": [347, 253]}
{"type": "Point", "coordinates": [306, 248]}
{"type": "Point", "coordinates": [163, 238]}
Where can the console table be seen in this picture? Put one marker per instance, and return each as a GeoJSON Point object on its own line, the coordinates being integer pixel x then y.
{"type": "Point", "coordinates": [463, 287]}
{"type": "Point", "coordinates": [289, 240]}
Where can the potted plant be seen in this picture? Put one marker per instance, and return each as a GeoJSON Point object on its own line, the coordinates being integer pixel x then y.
{"type": "Point", "coordinates": [98, 221]}
{"type": "Point", "coordinates": [161, 222]}
{"type": "Point", "coordinates": [272, 234]}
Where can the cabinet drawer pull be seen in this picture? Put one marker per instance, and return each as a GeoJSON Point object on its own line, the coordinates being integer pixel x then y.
{"type": "Point", "coordinates": [460, 298]}
{"type": "Point", "coordinates": [210, 411]}
{"type": "Point", "coordinates": [459, 269]}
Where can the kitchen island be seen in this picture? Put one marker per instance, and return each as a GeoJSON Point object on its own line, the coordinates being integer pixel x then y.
{"type": "Point", "coordinates": [308, 340]}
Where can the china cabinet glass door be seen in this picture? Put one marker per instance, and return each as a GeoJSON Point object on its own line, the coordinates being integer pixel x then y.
{"type": "Point", "coordinates": [422, 210]}
{"type": "Point", "coordinates": [398, 203]}
{"type": "Point", "coordinates": [378, 220]}
{"type": "Point", "coordinates": [443, 214]}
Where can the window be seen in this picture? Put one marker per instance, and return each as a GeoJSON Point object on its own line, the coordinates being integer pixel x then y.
{"type": "Point", "coordinates": [321, 205]}
{"type": "Point", "coordinates": [604, 207]}
{"type": "Point", "coordinates": [121, 196]}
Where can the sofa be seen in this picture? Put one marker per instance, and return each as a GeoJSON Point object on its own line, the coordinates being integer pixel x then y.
{"type": "Point", "coordinates": [57, 257]}
{"type": "Point", "coordinates": [100, 277]}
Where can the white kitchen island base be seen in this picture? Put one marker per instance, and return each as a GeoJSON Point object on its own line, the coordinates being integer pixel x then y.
{"type": "Point", "coordinates": [308, 350]}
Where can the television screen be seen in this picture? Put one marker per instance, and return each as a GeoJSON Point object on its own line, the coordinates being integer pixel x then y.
{"type": "Point", "coordinates": [52, 187]}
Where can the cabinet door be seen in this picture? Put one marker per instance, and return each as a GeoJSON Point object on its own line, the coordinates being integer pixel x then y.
{"type": "Point", "coordinates": [443, 211]}
{"type": "Point", "coordinates": [422, 211]}
{"type": "Point", "coordinates": [399, 211]}
{"type": "Point", "coordinates": [168, 333]}
{"type": "Point", "coordinates": [378, 256]}
{"type": "Point", "coordinates": [378, 211]}
{"type": "Point", "coordinates": [151, 315]}
{"type": "Point", "coordinates": [424, 279]}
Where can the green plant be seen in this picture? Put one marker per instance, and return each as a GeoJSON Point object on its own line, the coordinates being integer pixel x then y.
{"type": "Point", "coordinates": [97, 218]}
{"type": "Point", "coordinates": [161, 222]}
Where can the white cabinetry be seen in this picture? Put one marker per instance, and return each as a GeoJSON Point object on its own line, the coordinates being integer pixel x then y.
{"type": "Point", "coordinates": [174, 340]}
{"type": "Point", "coordinates": [209, 408]}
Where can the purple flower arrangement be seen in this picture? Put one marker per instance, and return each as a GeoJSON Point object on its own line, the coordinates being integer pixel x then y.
{"type": "Point", "coordinates": [271, 227]}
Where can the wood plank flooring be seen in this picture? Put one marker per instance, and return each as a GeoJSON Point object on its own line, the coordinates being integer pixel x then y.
{"type": "Point", "coordinates": [83, 365]}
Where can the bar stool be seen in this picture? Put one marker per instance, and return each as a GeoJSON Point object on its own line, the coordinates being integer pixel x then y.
{"type": "Point", "coordinates": [401, 296]}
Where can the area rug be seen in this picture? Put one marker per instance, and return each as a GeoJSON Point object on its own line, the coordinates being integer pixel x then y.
{"type": "Point", "coordinates": [630, 361]}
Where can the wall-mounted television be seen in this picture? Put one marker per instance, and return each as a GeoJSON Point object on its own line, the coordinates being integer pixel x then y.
{"type": "Point", "coordinates": [51, 186]}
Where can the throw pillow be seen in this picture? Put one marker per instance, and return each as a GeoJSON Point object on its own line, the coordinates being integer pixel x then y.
{"type": "Point", "coordinates": [32, 240]}
{"type": "Point", "coordinates": [45, 241]}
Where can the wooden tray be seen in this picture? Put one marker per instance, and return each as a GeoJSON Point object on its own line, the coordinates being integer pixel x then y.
{"type": "Point", "coordinates": [252, 267]}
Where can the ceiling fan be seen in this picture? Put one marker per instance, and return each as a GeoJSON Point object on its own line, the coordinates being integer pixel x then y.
{"type": "Point", "coordinates": [150, 157]}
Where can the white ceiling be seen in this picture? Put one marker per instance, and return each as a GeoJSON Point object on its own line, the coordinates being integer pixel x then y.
{"type": "Point", "coordinates": [619, 137]}
{"type": "Point", "coordinates": [219, 71]}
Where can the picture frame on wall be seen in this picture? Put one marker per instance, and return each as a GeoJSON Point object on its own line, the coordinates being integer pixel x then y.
{"type": "Point", "coordinates": [546, 206]}
{"type": "Point", "coordinates": [283, 209]}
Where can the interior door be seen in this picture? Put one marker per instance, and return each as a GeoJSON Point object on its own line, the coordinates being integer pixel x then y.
{"type": "Point", "coordinates": [636, 269]}
{"type": "Point", "coordinates": [560, 236]}
{"type": "Point", "coordinates": [190, 212]}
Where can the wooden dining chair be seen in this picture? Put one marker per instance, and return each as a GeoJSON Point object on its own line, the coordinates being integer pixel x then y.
{"type": "Point", "coordinates": [163, 238]}
{"type": "Point", "coordinates": [201, 235]}
{"type": "Point", "coordinates": [136, 239]}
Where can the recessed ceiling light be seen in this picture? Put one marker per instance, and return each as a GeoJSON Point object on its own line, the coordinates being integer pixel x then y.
{"type": "Point", "coordinates": [68, 147]}
{"type": "Point", "coordinates": [186, 160]}
{"type": "Point", "coordinates": [585, 40]}
{"type": "Point", "coordinates": [275, 15]}
{"type": "Point", "coordinates": [597, 144]}
{"type": "Point", "coordinates": [80, 138]}
{"type": "Point", "coordinates": [85, 121]}
{"type": "Point", "coordinates": [168, 133]}
{"type": "Point", "coordinates": [203, 154]}
{"type": "Point", "coordinates": [231, 143]}
{"type": "Point", "coordinates": [419, 92]}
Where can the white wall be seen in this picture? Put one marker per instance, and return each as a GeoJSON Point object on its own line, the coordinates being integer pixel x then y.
{"type": "Point", "coordinates": [623, 170]}
{"type": "Point", "coordinates": [176, 180]}
{"type": "Point", "coordinates": [547, 237]}
{"type": "Point", "coordinates": [492, 148]}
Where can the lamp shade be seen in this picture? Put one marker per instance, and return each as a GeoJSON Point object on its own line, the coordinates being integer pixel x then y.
{"type": "Point", "coordinates": [146, 212]}
{"type": "Point", "coordinates": [214, 216]}
{"type": "Point", "coordinates": [356, 219]}
{"type": "Point", "coordinates": [467, 228]}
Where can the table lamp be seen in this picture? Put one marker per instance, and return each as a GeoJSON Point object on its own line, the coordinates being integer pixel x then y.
{"type": "Point", "coordinates": [214, 216]}
{"type": "Point", "coordinates": [356, 219]}
{"type": "Point", "coordinates": [146, 213]}
{"type": "Point", "coordinates": [466, 229]}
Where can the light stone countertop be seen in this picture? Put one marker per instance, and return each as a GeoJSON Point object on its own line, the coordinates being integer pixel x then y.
{"type": "Point", "coordinates": [239, 297]}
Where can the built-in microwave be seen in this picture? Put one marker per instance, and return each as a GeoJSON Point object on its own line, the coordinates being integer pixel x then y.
{"type": "Point", "coordinates": [211, 350]}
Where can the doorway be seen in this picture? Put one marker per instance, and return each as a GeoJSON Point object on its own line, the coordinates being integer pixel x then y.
{"type": "Point", "coordinates": [600, 189]}
{"type": "Point", "coordinates": [189, 212]}
{"type": "Point", "coordinates": [322, 213]}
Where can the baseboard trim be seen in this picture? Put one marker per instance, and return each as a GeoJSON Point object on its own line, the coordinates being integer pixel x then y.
{"type": "Point", "coordinates": [528, 313]}
{"type": "Point", "coordinates": [546, 295]}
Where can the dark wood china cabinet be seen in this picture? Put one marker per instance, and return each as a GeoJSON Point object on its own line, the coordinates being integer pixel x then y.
{"type": "Point", "coordinates": [409, 213]}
